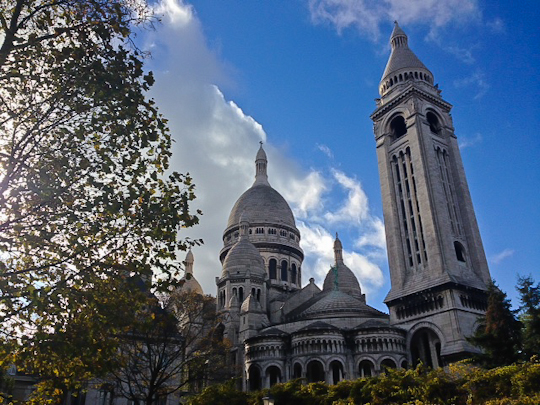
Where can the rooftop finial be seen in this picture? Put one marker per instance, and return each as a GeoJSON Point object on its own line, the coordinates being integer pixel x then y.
{"type": "Point", "coordinates": [338, 250]}
{"type": "Point", "coordinates": [261, 162]}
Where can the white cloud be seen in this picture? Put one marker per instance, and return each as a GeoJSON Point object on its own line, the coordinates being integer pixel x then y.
{"type": "Point", "coordinates": [368, 15]}
{"type": "Point", "coordinates": [355, 209]}
{"type": "Point", "coordinates": [499, 257]}
{"type": "Point", "coordinates": [466, 142]}
{"type": "Point", "coordinates": [216, 142]}
{"type": "Point", "coordinates": [476, 80]}
{"type": "Point", "coordinates": [326, 150]}
{"type": "Point", "coordinates": [176, 12]}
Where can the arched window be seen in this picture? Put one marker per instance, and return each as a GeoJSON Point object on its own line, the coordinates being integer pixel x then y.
{"type": "Point", "coordinates": [315, 371]}
{"type": "Point", "coordinates": [293, 274]}
{"type": "Point", "coordinates": [387, 363]}
{"type": "Point", "coordinates": [434, 124]}
{"type": "Point", "coordinates": [284, 271]}
{"type": "Point", "coordinates": [272, 269]}
{"type": "Point", "coordinates": [366, 368]}
{"type": "Point", "coordinates": [398, 127]}
{"type": "Point", "coordinates": [241, 294]}
{"type": "Point", "coordinates": [460, 252]}
{"type": "Point", "coordinates": [426, 347]}
{"type": "Point", "coordinates": [254, 376]}
{"type": "Point", "coordinates": [297, 370]}
{"type": "Point", "coordinates": [337, 371]}
{"type": "Point", "coordinates": [404, 365]}
{"type": "Point", "coordinates": [274, 374]}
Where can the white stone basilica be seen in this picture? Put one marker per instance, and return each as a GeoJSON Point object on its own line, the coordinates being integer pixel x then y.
{"type": "Point", "coordinates": [280, 330]}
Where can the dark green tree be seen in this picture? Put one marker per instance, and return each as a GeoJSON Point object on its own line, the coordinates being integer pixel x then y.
{"type": "Point", "coordinates": [530, 315]}
{"type": "Point", "coordinates": [499, 331]}
{"type": "Point", "coordinates": [171, 349]}
{"type": "Point", "coordinates": [86, 196]}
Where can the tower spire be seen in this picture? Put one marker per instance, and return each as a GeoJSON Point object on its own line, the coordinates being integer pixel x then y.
{"type": "Point", "coordinates": [338, 250]}
{"type": "Point", "coordinates": [261, 163]}
{"type": "Point", "coordinates": [403, 65]}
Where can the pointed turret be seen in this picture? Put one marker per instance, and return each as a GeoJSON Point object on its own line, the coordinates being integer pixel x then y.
{"type": "Point", "coordinates": [403, 65]}
{"type": "Point", "coordinates": [338, 250]}
{"type": "Point", "coordinates": [189, 283]}
{"type": "Point", "coordinates": [261, 163]}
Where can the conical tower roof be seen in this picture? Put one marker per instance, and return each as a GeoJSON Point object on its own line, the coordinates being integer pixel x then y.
{"type": "Point", "coordinates": [403, 60]}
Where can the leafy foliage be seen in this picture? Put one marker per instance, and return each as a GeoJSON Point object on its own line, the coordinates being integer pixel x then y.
{"type": "Point", "coordinates": [530, 315]}
{"type": "Point", "coordinates": [85, 201]}
{"type": "Point", "coordinates": [461, 384]}
{"type": "Point", "coordinates": [160, 356]}
{"type": "Point", "coordinates": [499, 331]}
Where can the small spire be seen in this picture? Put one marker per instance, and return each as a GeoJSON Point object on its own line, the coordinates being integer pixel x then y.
{"type": "Point", "coordinates": [189, 262]}
{"type": "Point", "coordinates": [338, 250]}
{"type": "Point", "coordinates": [398, 37]}
{"type": "Point", "coordinates": [261, 163]}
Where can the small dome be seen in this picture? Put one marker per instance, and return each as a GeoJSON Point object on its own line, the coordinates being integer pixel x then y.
{"type": "Point", "coordinates": [262, 204]}
{"type": "Point", "coordinates": [191, 284]}
{"type": "Point", "coordinates": [341, 278]}
{"type": "Point", "coordinates": [244, 257]}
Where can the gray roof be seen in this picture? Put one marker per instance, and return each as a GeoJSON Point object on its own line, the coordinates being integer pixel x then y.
{"type": "Point", "coordinates": [340, 303]}
{"type": "Point", "coordinates": [341, 278]}
{"type": "Point", "coordinates": [401, 57]}
{"type": "Point", "coordinates": [242, 257]}
{"type": "Point", "coordinates": [261, 204]}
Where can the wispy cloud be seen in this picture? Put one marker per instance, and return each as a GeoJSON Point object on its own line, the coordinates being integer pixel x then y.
{"type": "Point", "coordinates": [476, 81]}
{"type": "Point", "coordinates": [497, 25]}
{"type": "Point", "coordinates": [466, 142]}
{"type": "Point", "coordinates": [326, 150]}
{"type": "Point", "coordinates": [499, 257]}
{"type": "Point", "coordinates": [368, 15]}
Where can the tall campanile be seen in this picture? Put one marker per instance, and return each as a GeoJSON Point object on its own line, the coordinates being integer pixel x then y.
{"type": "Point", "coordinates": [438, 267]}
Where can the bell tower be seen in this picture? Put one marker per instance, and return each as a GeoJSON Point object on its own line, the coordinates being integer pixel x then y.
{"type": "Point", "coordinates": [438, 267]}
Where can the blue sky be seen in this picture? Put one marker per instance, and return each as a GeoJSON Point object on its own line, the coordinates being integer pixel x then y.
{"type": "Point", "coordinates": [302, 76]}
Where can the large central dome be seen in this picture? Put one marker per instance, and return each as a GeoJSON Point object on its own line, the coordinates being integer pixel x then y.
{"type": "Point", "coordinates": [271, 228]}
{"type": "Point", "coordinates": [261, 204]}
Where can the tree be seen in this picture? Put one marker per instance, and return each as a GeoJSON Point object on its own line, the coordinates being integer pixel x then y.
{"type": "Point", "coordinates": [171, 350]}
{"type": "Point", "coordinates": [86, 197]}
{"type": "Point", "coordinates": [499, 331]}
{"type": "Point", "coordinates": [530, 315]}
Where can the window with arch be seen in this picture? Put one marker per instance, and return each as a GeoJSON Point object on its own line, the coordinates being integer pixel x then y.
{"type": "Point", "coordinates": [272, 231]}
{"type": "Point", "coordinates": [337, 371]}
{"type": "Point", "coordinates": [293, 274]}
{"type": "Point", "coordinates": [297, 370]}
{"type": "Point", "coordinates": [284, 271]}
{"type": "Point", "coordinates": [366, 368]}
{"type": "Point", "coordinates": [254, 376]}
{"type": "Point", "coordinates": [259, 231]}
{"type": "Point", "coordinates": [434, 124]}
{"type": "Point", "coordinates": [387, 363]}
{"type": "Point", "coordinates": [272, 269]}
{"type": "Point", "coordinates": [426, 347]}
{"type": "Point", "coordinates": [398, 127]}
{"type": "Point", "coordinates": [315, 371]}
{"type": "Point", "coordinates": [241, 294]}
{"type": "Point", "coordinates": [460, 252]}
{"type": "Point", "coordinates": [274, 375]}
